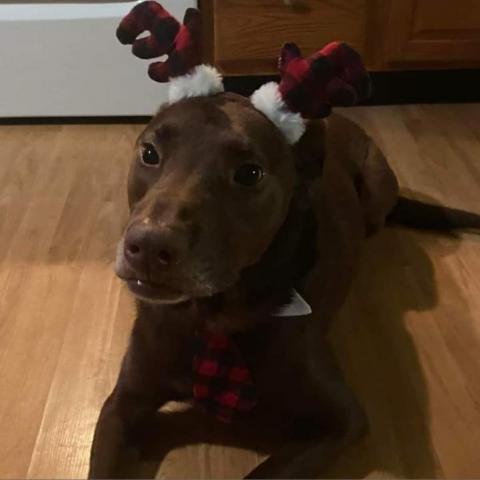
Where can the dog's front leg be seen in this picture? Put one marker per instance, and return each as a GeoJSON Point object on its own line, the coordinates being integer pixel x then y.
{"type": "Point", "coordinates": [337, 422]}
{"type": "Point", "coordinates": [301, 460]}
{"type": "Point", "coordinates": [114, 449]}
{"type": "Point", "coordinates": [308, 459]}
{"type": "Point", "coordinates": [138, 394]}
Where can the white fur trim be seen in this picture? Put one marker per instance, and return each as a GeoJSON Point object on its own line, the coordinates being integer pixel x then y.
{"type": "Point", "coordinates": [268, 100]}
{"type": "Point", "coordinates": [202, 81]}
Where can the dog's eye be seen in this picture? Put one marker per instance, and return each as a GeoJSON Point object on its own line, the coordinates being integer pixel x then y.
{"type": "Point", "coordinates": [150, 156]}
{"type": "Point", "coordinates": [248, 175]}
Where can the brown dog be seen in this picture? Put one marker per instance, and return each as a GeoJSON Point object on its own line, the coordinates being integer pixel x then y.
{"type": "Point", "coordinates": [227, 218]}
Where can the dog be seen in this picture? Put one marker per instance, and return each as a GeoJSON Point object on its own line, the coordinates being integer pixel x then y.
{"type": "Point", "coordinates": [240, 210]}
{"type": "Point", "coordinates": [226, 219]}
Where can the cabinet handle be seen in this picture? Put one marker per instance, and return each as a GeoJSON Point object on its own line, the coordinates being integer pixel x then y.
{"type": "Point", "coordinates": [294, 3]}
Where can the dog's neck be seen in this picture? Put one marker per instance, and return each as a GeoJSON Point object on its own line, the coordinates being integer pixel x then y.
{"type": "Point", "coordinates": [289, 257]}
{"type": "Point", "coordinates": [268, 285]}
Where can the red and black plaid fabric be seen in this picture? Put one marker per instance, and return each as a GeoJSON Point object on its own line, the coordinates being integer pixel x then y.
{"type": "Point", "coordinates": [332, 76]}
{"type": "Point", "coordinates": [222, 385]}
{"type": "Point", "coordinates": [182, 43]}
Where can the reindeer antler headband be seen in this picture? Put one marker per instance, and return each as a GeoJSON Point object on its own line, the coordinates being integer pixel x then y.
{"type": "Point", "coordinates": [309, 87]}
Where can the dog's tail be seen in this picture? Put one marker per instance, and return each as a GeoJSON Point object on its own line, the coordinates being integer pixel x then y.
{"type": "Point", "coordinates": [416, 214]}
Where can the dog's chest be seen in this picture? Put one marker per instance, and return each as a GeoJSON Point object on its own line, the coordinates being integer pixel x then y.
{"type": "Point", "coordinates": [265, 353]}
{"type": "Point", "coordinates": [252, 369]}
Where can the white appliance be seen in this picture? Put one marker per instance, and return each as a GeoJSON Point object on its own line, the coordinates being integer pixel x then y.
{"type": "Point", "coordinates": [63, 59]}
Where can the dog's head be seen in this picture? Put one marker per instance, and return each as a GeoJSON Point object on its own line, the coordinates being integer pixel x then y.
{"type": "Point", "coordinates": [213, 174]}
{"type": "Point", "coordinates": [210, 185]}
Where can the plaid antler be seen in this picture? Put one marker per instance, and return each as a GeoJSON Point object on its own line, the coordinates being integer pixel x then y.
{"type": "Point", "coordinates": [182, 43]}
{"type": "Point", "coordinates": [332, 76]}
{"type": "Point", "coordinates": [309, 87]}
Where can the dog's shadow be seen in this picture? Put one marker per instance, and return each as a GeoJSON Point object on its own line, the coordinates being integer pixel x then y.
{"type": "Point", "coordinates": [392, 295]}
{"type": "Point", "coordinates": [390, 303]}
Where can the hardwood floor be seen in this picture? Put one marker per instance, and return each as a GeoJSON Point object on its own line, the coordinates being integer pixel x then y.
{"type": "Point", "coordinates": [408, 338]}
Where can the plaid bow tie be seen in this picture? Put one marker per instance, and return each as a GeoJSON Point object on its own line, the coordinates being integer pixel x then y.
{"type": "Point", "coordinates": [223, 385]}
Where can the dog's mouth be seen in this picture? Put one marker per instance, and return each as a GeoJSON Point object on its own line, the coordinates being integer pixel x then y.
{"type": "Point", "coordinates": [197, 283]}
{"type": "Point", "coordinates": [154, 292]}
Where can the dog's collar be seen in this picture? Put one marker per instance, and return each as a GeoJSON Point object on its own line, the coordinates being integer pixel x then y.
{"type": "Point", "coordinates": [298, 307]}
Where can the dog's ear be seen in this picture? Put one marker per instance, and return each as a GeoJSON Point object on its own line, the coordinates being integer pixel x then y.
{"type": "Point", "coordinates": [309, 151]}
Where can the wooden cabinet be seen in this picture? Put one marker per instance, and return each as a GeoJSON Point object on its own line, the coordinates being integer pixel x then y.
{"type": "Point", "coordinates": [245, 36]}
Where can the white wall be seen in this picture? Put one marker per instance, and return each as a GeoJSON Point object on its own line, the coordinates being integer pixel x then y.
{"type": "Point", "coordinates": [64, 60]}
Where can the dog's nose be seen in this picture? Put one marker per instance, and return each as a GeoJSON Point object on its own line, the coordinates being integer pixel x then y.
{"type": "Point", "coordinates": [148, 246]}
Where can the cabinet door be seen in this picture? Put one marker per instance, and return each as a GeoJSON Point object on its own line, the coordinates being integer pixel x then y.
{"type": "Point", "coordinates": [248, 34]}
{"type": "Point", "coordinates": [433, 32]}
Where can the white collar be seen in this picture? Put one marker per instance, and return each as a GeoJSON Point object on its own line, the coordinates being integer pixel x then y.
{"type": "Point", "coordinates": [296, 308]}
